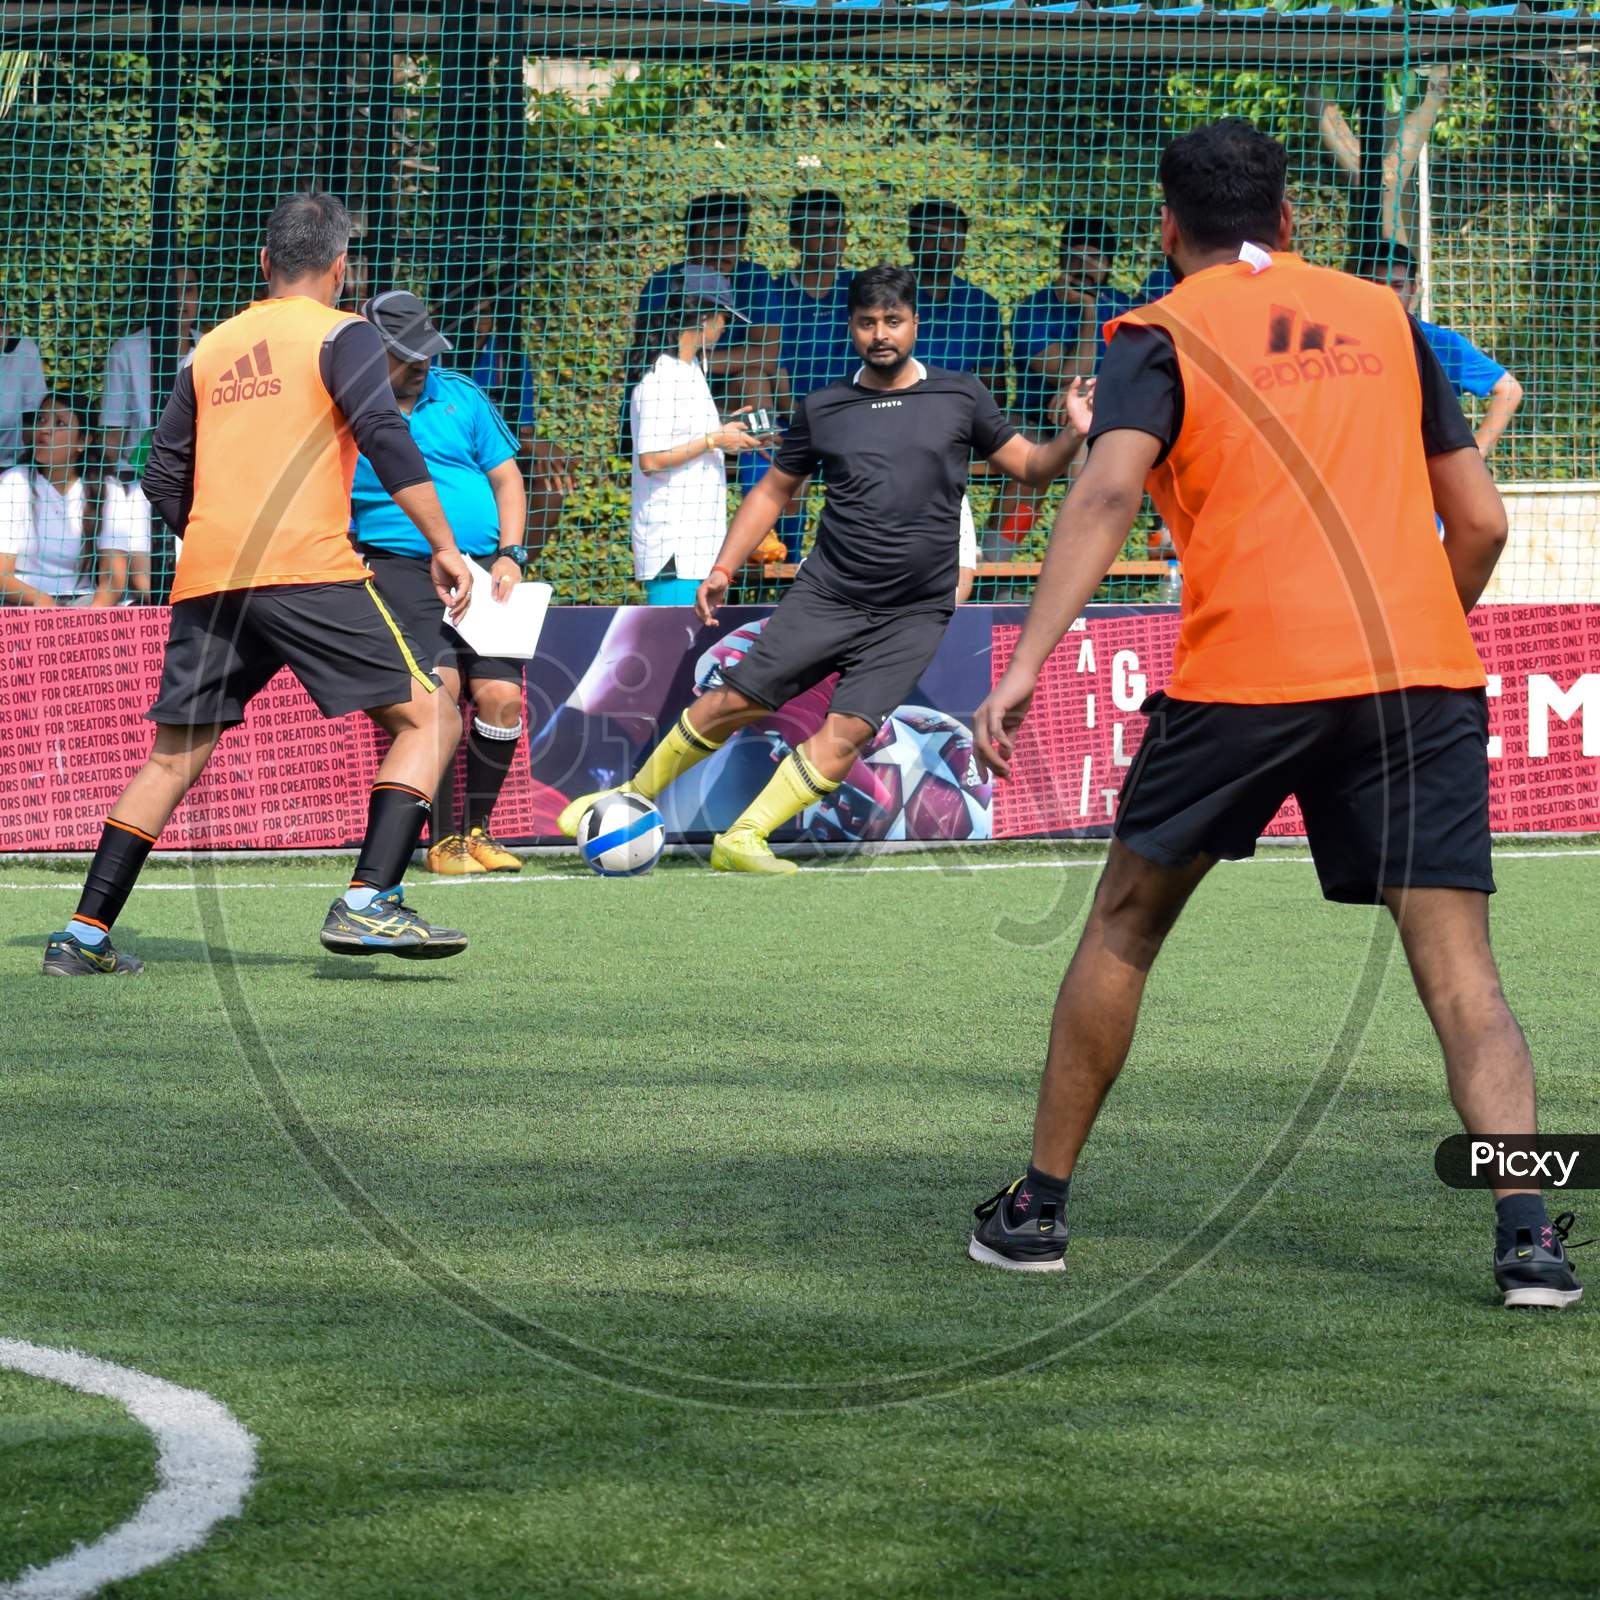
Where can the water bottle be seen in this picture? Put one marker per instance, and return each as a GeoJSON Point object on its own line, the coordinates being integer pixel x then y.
{"type": "Point", "coordinates": [1170, 590]}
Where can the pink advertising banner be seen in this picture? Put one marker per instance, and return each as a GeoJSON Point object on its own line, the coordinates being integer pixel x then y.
{"type": "Point", "coordinates": [77, 684]}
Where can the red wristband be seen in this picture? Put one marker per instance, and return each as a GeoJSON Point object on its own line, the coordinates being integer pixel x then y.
{"type": "Point", "coordinates": [724, 571]}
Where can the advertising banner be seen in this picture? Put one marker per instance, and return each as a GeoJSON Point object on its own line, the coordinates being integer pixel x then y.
{"type": "Point", "coordinates": [77, 684]}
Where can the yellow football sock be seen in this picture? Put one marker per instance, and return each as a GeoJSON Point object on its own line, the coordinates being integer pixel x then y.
{"type": "Point", "coordinates": [794, 786]}
{"type": "Point", "coordinates": [681, 749]}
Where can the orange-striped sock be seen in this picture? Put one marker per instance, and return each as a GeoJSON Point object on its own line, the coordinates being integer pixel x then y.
{"type": "Point", "coordinates": [396, 816]}
{"type": "Point", "coordinates": [109, 881]}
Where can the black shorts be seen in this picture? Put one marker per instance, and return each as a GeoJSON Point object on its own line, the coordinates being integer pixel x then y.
{"type": "Point", "coordinates": [406, 585]}
{"type": "Point", "coordinates": [879, 655]}
{"type": "Point", "coordinates": [339, 640]}
{"type": "Point", "coordinates": [1394, 787]}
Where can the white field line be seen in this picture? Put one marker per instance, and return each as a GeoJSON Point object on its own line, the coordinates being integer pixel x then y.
{"type": "Point", "coordinates": [204, 1466]}
{"type": "Point", "coordinates": [505, 880]}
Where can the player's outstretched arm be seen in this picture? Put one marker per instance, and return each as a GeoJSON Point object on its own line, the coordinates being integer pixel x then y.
{"type": "Point", "coordinates": [1091, 527]}
{"type": "Point", "coordinates": [1474, 518]}
{"type": "Point", "coordinates": [1037, 463]}
{"type": "Point", "coordinates": [757, 515]}
{"type": "Point", "coordinates": [1504, 399]}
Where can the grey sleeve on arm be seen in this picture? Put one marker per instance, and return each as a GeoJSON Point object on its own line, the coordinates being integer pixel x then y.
{"type": "Point", "coordinates": [355, 371]}
{"type": "Point", "coordinates": [168, 479]}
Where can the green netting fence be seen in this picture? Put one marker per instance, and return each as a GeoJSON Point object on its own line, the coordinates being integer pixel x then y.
{"type": "Point", "coordinates": [528, 168]}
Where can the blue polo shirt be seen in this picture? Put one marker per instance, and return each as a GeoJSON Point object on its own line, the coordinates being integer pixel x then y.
{"type": "Point", "coordinates": [1467, 368]}
{"type": "Point", "coordinates": [814, 346]}
{"type": "Point", "coordinates": [964, 333]}
{"type": "Point", "coordinates": [753, 288]}
{"type": "Point", "coordinates": [1042, 320]}
{"type": "Point", "coordinates": [1159, 283]}
{"type": "Point", "coordinates": [462, 438]}
{"type": "Point", "coordinates": [485, 372]}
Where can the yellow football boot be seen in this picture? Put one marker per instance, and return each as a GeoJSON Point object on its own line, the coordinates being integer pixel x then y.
{"type": "Point", "coordinates": [572, 814]}
{"type": "Point", "coordinates": [745, 851]}
{"type": "Point", "coordinates": [490, 854]}
{"type": "Point", "coordinates": [450, 857]}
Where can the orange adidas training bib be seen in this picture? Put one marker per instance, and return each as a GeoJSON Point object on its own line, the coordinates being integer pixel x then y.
{"type": "Point", "coordinates": [273, 457]}
{"type": "Point", "coordinates": [1297, 492]}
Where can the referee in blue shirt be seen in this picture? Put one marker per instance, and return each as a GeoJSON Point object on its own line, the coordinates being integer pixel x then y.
{"type": "Point", "coordinates": [1467, 368]}
{"type": "Point", "coordinates": [472, 455]}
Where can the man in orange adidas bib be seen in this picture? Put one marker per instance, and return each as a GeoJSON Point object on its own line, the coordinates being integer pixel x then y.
{"type": "Point", "coordinates": [251, 467]}
{"type": "Point", "coordinates": [1297, 435]}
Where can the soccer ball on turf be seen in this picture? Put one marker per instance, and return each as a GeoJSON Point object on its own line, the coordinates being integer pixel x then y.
{"type": "Point", "coordinates": [621, 836]}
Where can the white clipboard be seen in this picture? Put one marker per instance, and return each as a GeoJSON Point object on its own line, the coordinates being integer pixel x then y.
{"type": "Point", "coordinates": [509, 627]}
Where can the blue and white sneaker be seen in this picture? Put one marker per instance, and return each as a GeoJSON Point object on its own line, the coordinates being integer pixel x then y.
{"type": "Point", "coordinates": [388, 927]}
{"type": "Point", "coordinates": [1534, 1271]}
{"type": "Point", "coordinates": [68, 957]}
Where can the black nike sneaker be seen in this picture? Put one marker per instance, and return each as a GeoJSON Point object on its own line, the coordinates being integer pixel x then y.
{"type": "Point", "coordinates": [388, 927]}
{"type": "Point", "coordinates": [1534, 1271]}
{"type": "Point", "coordinates": [1037, 1245]}
{"type": "Point", "coordinates": [68, 957]}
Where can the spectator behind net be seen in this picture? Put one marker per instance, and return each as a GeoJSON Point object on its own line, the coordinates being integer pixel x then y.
{"type": "Point", "coordinates": [680, 484]}
{"type": "Point", "coordinates": [68, 531]}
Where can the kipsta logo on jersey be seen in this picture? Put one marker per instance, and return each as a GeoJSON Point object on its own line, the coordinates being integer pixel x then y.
{"type": "Point", "coordinates": [1309, 352]}
{"type": "Point", "coordinates": [250, 379]}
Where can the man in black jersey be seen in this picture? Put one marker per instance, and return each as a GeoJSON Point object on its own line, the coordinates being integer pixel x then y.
{"type": "Point", "coordinates": [892, 444]}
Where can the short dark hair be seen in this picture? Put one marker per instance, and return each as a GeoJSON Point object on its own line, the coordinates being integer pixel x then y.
{"type": "Point", "coordinates": [883, 285]}
{"type": "Point", "coordinates": [1224, 184]}
{"type": "Point", "coordinates": [812, 203]}
{"type": "Point", "coordinates": [722, 206]}
{"type": "Point", "coordinates": [1382, 258]}
{"type": "Point", "coordinates": [306, 233]}
{"type": "Point", "coordinates": [1093, 235]}
{"type": "Point", "coordinates": [925, 211]}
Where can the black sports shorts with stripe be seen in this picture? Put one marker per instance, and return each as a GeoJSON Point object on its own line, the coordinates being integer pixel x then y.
{"type": "Point", "coordinates": [879, 655]}
{"type": "Point", "coordinates": [345, 646]}
{"type": "Point", "coordinates": [1394, 787]}
{"type": "Point", "coordinates": [405, 584]}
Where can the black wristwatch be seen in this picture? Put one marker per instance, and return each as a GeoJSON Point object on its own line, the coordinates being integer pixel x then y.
{"type": "Point", "coordinates": [514, 552]}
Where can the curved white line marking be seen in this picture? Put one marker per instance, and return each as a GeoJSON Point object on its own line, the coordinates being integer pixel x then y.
{"type": "Point", "coordinates": [204, 1464]}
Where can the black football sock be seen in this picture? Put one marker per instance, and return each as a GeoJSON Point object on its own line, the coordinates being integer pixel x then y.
{"type": "Point", "coordinates": [490, 752]}
{"type": "Point", "coordinates": [576, 751]}
{"type": "Point", "coordinates": [395, 818]}
{"type": "Point", "coordinates": [1036, 1191]}
{"type": "Point", "coordinates": [112, 874]}
{"type": "Point", "coordinates": [1514, 1212]}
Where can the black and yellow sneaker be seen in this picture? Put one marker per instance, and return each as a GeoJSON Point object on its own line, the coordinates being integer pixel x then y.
{"type": "Point", "coordinates": [67, 957]}
{"type": "Point", "coordinates": [1533, 1270]}
{"type": "Point", "coordinates": [1036, 1244]}
{"type": "Point", "coordinates": [388, 927]}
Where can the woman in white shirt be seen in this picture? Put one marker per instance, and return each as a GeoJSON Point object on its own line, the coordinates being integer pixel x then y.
{"type": "Point", "coordinates": [680, 485]}
{"type": "Point", "coordinates": [67, 539]}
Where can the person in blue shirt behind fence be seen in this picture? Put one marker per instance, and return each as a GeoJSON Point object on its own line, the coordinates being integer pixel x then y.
{"type": "Point", "coordinates": [1467, 368]}
{"type": "Point", "coordinates": [959, 327]}
{"type": "Point", "coordinates": [472, 456]}
{"type": "Point", "coordinates": [1056, 336]}
{"type": "Point", "coordinates": [813, 317]}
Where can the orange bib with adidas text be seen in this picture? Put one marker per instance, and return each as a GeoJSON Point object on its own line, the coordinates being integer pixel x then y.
{"type": "Point", "coordinates": [1297, 492]}
{"type": "Point", "coordinates": [273, 456]}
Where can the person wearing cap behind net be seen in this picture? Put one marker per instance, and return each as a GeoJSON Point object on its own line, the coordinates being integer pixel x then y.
{"type": "Point", "coordinates": [680, 442]}
{"type": "Point", "coordinates": [472, 455]}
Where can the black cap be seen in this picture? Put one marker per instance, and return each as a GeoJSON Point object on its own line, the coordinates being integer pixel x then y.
{"type": "Point", "coordinates": [404, 325]}
{"type": "Point", "coordinates": [710, 288]}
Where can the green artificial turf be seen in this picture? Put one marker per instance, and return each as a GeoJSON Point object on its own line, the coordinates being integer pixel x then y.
{"type": "Point", "coordinates": [469, 1245]}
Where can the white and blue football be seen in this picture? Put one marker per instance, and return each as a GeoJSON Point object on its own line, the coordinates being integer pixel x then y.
{"type": "Point", "coordinates": [621, 836]}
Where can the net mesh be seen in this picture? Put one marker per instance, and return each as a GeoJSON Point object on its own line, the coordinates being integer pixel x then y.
{"type": "Point", "coordinates": [528, 170]}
